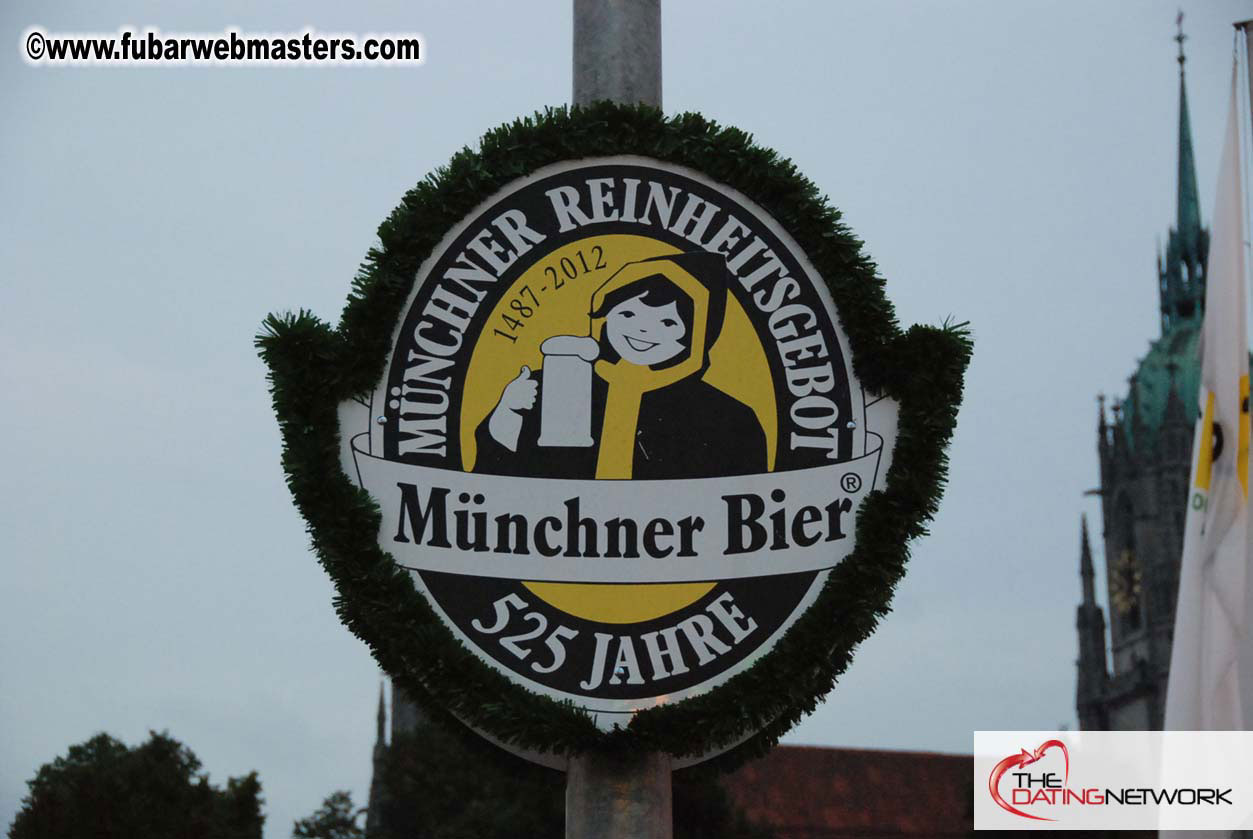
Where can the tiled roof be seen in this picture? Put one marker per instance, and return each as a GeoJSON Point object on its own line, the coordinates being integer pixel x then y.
{"type": "Point", "coordinates": [816, 793]}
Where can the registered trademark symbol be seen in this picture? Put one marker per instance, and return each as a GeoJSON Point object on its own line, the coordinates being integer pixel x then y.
{"type": "Point", "coordinates": [851, 482]}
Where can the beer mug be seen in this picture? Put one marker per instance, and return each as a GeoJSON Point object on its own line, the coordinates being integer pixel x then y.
{"type": "Point", "coordinates": [566, 392]}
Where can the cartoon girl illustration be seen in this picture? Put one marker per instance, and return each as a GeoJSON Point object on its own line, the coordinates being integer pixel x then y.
{"type": "Point", "coordinates": [651, 414]}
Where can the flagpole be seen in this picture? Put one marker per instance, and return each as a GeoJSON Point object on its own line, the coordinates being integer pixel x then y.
{"type": "Point", "coordinates": [1246, 26]}
{"type": "Point", "coordinates": [617, 57]}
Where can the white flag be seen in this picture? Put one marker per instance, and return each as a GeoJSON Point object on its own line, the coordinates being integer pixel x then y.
{"type": "Point", "coordinates": [1211, 621]}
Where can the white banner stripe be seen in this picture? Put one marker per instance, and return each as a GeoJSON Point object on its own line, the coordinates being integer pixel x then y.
{"type": "Point", "coordinates": [589, 531]}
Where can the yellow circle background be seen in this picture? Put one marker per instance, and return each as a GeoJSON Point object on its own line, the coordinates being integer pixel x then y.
{"type": "Point", "coordinates": [737, 367]}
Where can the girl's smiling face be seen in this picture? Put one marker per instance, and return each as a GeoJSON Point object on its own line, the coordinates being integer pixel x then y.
{"type": "Point", "coordinates": [643, 334]}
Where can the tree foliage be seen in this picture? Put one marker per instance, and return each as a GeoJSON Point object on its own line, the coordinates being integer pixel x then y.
{"type": "Point", "coordinates": [101, 789]}
{"type": "Point", "coordinates": [335, 819]}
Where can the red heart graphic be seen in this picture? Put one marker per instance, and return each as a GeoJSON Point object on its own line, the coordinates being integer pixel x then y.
{"type": "Point", "coordinates": [1024, 758]}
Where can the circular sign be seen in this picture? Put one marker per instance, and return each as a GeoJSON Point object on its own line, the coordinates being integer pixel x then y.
{"type": "Point", "coordinates": [605, 452]}
{"type": "Point", "coordinates": [619, 439]}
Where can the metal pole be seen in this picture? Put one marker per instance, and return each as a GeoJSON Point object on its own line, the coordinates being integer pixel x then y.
{"type": "Point", "coordinates": [617, 51]}
{"type": "Point", "coordinates": [617, 56]}
{"type": "Point", "coordinates": [616, 798]}
{"type": "Point", "coordinates": [1246, 26]}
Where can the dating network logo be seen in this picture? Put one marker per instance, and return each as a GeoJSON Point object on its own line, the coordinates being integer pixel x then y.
{"type": "Point", "coordinates": [1034, 788]}
{"type": "Point", "coordinates": [1047, 786]}
{"type": "Point", "coordinates": [1117, 780]}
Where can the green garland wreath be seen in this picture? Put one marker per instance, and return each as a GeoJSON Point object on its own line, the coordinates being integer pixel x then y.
{"type": "Point", "coordinates": [313, 367]}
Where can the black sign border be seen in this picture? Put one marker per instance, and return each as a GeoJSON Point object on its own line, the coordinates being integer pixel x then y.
{"type": "Point", "coordinates": [314, 366]}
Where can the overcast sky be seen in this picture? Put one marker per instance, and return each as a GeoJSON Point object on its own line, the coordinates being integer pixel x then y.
{"type": "Point", "coordinates": [1010, 164]}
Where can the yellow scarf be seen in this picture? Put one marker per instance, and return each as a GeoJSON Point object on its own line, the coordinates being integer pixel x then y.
{"type": "Point", "coordinates": [629, 382]}
{"type": "Point", "coordinates": [627, 385]}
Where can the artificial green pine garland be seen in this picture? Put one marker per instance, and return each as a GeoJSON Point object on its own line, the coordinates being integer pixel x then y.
{"type": "Point", "coordinates": [314, 367]}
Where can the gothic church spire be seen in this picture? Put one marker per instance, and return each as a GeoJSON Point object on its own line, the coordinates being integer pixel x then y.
{"type": "Point", "coordinates": [1086, 571]}
{"type": "Point", "coordinates": [381, 720]}
{"type": "Point", "coordinates": [1090, 621]}
{"type": "Point", "coordinates": [1181, 270]}
{"type": "Point", "coordinates": [1188, 206]}
{"type": "Point", "coordinates": [378, 793]}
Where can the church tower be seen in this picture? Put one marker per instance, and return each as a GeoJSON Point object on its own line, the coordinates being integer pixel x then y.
{"type": "Point", "coordinates": [374, 807]}
{"type": "Point", "coordinates": [406, 717]}
{"type": "Point", "coordinates": [1093, 673]}
{"type": "Point", "coordinates": [1144, 444]}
